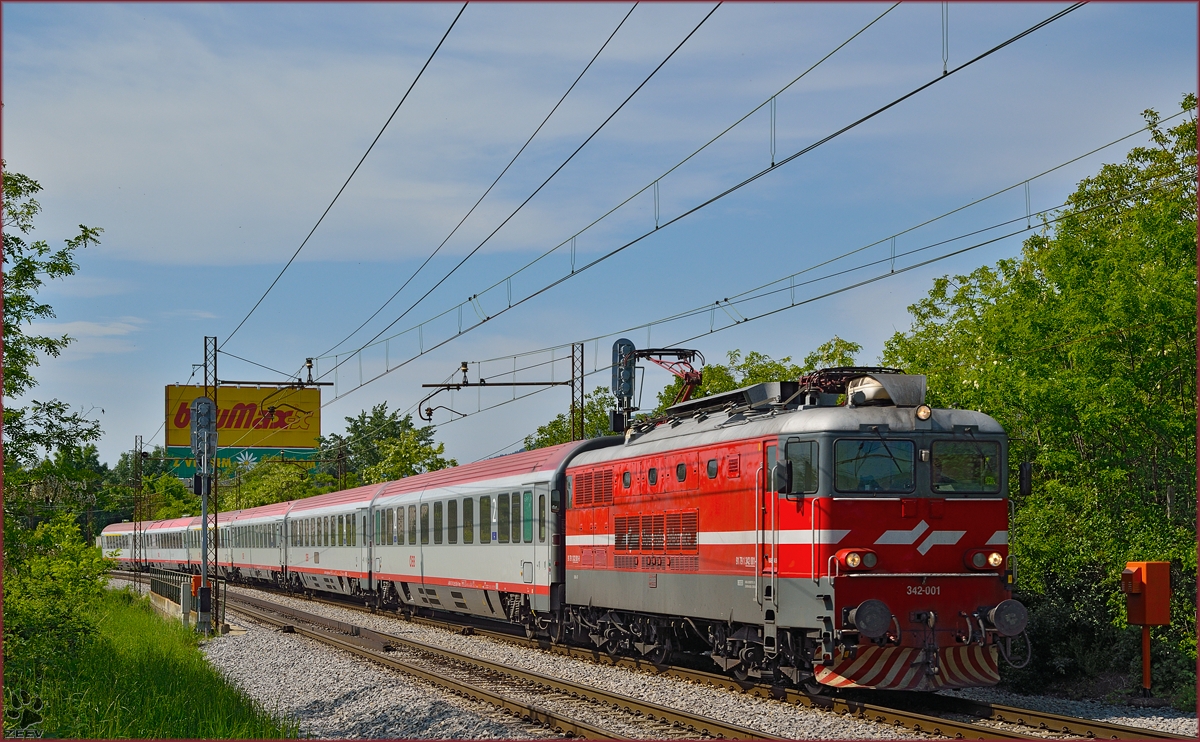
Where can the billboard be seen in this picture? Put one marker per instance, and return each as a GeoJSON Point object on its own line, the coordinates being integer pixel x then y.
{"type": "Point", "coordinates": [250, 417]}
{"type": "Point", "coordinates": [184, 466]}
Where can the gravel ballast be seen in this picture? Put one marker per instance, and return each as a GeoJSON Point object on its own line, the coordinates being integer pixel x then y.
{"type": "Point", "coordinates": [308, 682]}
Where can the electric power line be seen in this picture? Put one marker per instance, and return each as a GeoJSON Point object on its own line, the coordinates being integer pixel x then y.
{"type": "Point", "coordinates": [841, 290]}
{"type": "Point", "coordinates": [685, 214]}
{"type": "Point", "coordinates": [548, 179]}
{"type": "Point", "coordinates": [490, 187]}
{"type": "Point", "coordinates": [352, 172]}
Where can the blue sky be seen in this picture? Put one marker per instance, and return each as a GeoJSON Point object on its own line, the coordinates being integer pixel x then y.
{"type": "Point", "coordinates": [207, 139]}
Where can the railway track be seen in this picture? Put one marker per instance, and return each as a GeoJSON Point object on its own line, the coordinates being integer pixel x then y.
{"type": "Point", "coordinates": [493, 683]}
{"type": "Point", "coordinates": [913, 712]}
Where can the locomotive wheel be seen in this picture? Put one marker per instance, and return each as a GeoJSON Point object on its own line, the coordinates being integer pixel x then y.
{"type": "Point", "coordinates": [741, 672]}
{"type": "Point", "coordinates": [813, 688]}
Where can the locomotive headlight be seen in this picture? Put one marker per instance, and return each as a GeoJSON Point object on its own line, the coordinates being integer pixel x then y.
{"type": "Point", "coordinates": [853, 560]}
{"type": "Point", "coordinates": [979, 560]}
{"type": "Point", "coordinates": [994, 559]}
{"type": "Point", "coordinates": [870, 560]}
{"type": "Point", "coordinates": [924, 412]}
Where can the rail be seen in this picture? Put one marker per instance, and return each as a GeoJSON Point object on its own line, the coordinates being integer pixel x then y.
{"type": "Point", "coordinates": [891, 715]}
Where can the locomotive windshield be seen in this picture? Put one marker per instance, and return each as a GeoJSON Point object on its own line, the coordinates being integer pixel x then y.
{"type": "Point", "coordinates": [876, 465]}
{"type": "Point", "coordinates": [966, 466]}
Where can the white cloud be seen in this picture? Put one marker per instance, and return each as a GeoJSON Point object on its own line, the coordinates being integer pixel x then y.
{"type": "Point", "coordinates": [91, 339]}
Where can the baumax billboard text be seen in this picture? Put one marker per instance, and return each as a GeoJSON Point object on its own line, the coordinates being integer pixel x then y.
{"type": "Point", "coordinates": [250, 417]}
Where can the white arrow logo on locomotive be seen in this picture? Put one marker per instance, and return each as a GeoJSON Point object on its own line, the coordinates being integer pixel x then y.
{"type": "Point", "coordinates": [948, 538]}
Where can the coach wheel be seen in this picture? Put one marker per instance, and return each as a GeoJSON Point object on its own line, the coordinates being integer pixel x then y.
{"type": "Point", "coordinates": [658, 655]}
{"type": "Point", "coordinates": [556, 630]}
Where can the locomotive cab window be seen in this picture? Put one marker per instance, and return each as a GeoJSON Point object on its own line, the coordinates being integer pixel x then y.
{"type": "Point", "coordinates": [965, 467]}
{"type": "Point", "coordinates": [874, 465]}
{"type": "Point", "coordinates": [803, 457]}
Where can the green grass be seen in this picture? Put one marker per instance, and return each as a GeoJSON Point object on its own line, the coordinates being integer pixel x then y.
{"type": "Point", "coordinates": [144, 676]}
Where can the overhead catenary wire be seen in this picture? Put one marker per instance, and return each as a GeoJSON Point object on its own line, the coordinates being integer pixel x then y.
{"type": "Point", "coordinates": [676, 166]}
{"type": "Point", "coordinates": [891, 237]}
{"type": "Point", "coordinates": [843, 289]}
{"type": "Point", "coordinates": [490, 187]}
{"type": "Point", "coordinates": [428, 348]}
{"type": "Point", "coordinates": [571, 240]}
{"type": "Point", "coordinates": [547, 180]}
{"type": "Point", "coordinates": [348, 178]}
{"type": "Point", "coordinates": [752, 291]}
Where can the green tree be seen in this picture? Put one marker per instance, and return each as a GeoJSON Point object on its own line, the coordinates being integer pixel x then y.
{"type": "Point", "coordinates": [50, 574]}
{"type": "Point", "coordinates": [411, 452]}
{"type": "Point", "coordinates": [40, 426]}
{"type": "Point", "coordinates": [1084, 348]}
{"type": "Point", "coordinates": [170, 498]}
{"type": "Point", "coordinates": [265, 483]}
{"type": "Point", "coordinates": [363, 443]}
{"type": "Point", "coordinates": [596, 406]}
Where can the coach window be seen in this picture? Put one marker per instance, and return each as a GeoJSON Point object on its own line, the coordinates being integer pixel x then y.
{"type": "Point", "coordinates": [452, 521]}
{"type": "Point", "coordinates": [424, 523]}
{"type": "Point", "coordinates": [485, 519]}
{"type": "Point", "coordinates": [341, 532]}
{"type": "Point", "coordinates": [412, 525]}
{"type": "Point", "coordinates": [516, 518]}
{"type": "Point", "coordinates": [541, 519]}
{"type": "Point", "coordinates": [652, 475]}
{"type": "Point", "coordinates": [874, 465]}
{"type": "Point", "coordinates": [400, 525]}
{"type": "Point", "coordinates": [527, 520]}
{"type": "Point", "coordinates": [626, 480]}
{"type": "Point", "coordinates": [503, 512]}
{"type": "Point", "coordinates": [327, 528]}
{"type": "Point", "coordinates": [712, 468]}
{"type": "Point", "coordinates": [389, 526]}
{"type": "Point", "coordinates": [437, 523]}
{"type": "Point", "coordinates": [680, 472]}
{"type": "Point", "coordinates": [468, 520]}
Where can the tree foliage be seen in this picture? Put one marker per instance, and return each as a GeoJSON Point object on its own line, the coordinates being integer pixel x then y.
{"type": "Point", "coordinates": [50, 576]}
{"type": "Point", "coordinates": [1084, 348]}
{"type": "Point", "coordinates": [411, 452]}
{"type": "Point", "coordinates": [596, 405]}
{"type": "Point", "coordinates": [40, 426]}
{"type": "Point", "coordinates": [363, 444]}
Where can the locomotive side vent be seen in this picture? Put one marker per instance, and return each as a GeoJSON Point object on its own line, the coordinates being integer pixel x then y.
{"type": "Point", "coordinates": [583, 488]}
{"type": "Point", "coordinates": [594, 487]}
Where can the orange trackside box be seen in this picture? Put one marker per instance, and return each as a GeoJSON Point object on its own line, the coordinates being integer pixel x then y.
{"type": "Point", "coordinates": [1147, 588]}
